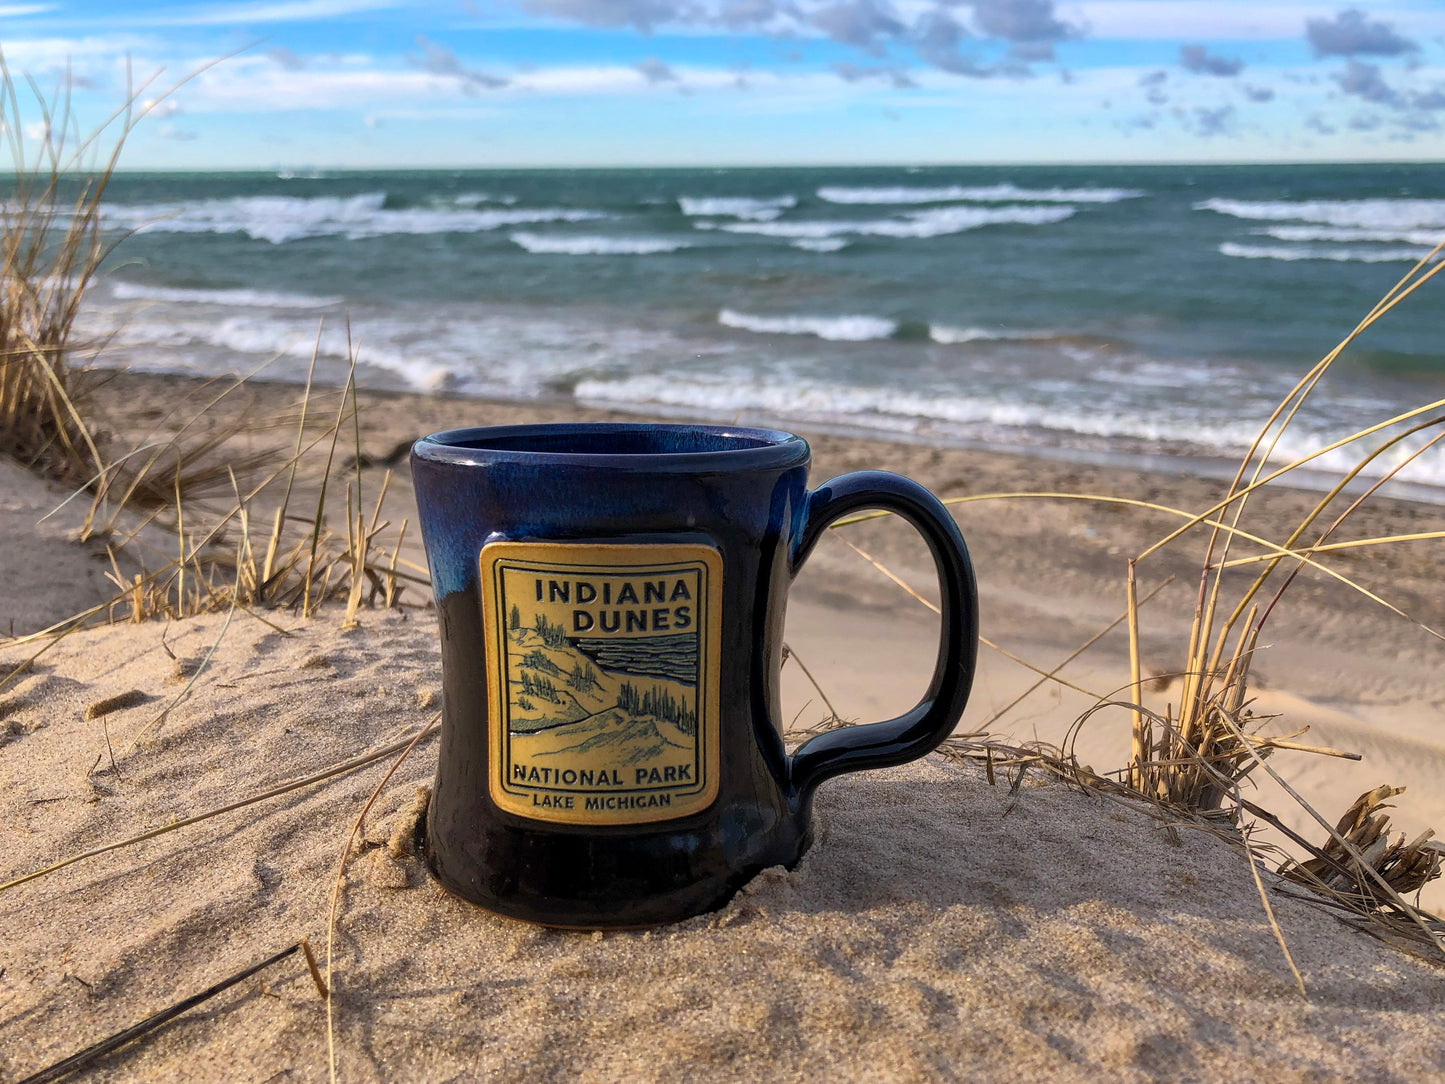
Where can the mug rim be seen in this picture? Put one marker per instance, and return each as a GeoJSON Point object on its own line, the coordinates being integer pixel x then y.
{"type": "Point", "coordinates": [771, 448]}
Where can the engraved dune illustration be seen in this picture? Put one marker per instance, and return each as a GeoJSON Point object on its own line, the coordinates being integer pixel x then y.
{"type": "Point", "coordinates": [621, 702]}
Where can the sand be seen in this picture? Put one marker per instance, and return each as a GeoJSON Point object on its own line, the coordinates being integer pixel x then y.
{"type": "Point", "coordinates": [940, 928]}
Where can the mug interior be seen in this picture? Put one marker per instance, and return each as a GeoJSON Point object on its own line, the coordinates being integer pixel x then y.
{"type": "Point", "coordinates": [628, 441]}
{"type": "Point", "coordinates": [600, 443]}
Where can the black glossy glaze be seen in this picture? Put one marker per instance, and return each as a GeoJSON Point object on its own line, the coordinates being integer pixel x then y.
{"type": "Point", "coordinates": [741, 491]}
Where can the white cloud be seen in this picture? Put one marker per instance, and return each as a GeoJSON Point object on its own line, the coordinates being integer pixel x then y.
{"type": "Point", "coordinates": [242, 86]}
{"type": "Point", "coordinates": [36, 54]}
{"type": "Point", "coordinates": [284, 11]}
{"type": "Point", "coordinates": [164, 107]}
{"type": "Point", "coordinates": [15, 11]}
{"type": "Point", "coordinates": [1225, 20]}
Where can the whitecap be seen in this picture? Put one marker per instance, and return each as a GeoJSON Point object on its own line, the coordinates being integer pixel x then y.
{"type": "Point", "coordinates": [935, 222]}
{"type": "Point", "coordinates": [269, 299]}
{"type": "Point", "coordinates": [279, 219]}
{"type": "Point", "coordinates": [1427, 238]}
{"type": "Point", "coordinates": [476, 199]}
{"type": "Point", "coordinates": [831, 328]}
{"type": "Point", "coordinates": [1335, 253]}
{"type": "Point", "coordinates": [995, 193]}
{"type": "Point", "coordinates": [985, 411]}
{"type": "Point", "coordinates": [942, 333]}
{"type": "Point", "coordinates": [762, 209]}
{"type": "Point", "coordinates": [820, 244]}
{"type": "Point", "coordinates": [563, 245]}
{"type": "Point", "coordinates": [1380, 214]}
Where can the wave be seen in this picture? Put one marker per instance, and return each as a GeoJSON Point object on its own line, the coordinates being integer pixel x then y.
{"type": "Point", "coordinates": [762, 209]}
{"type": "Point", "coordinates": [1426, 238]}
{"type": "Point", "coordinates": [894, 409]}
{"type": "Point", "coordinates": [985, 416]}
{"type": "Point", "coordinates": [820, 244]}
{"type": "Point", "coordinates": [264, 299]}
{"type": "Point", "coordinates": [476, 199]}
{"type": "Point", "coordinates": [942, 333]}
{"type": "Point", "coordinates": [279, 219]}
{"type": "Point", "coordinates": [261, 336]}
{"type": "Point", "coordinates": [914, 224]}
{"type": "Point", "coordinates": [994, 193]}
{"type": "Point", "coordinates": [467, 348]}
{"type": "Point", "coordinates": [1380, 214]}
{"type": "Point", "coordinates": [560, 245]}
{"type": "Point", "coordinates": [1336, 253]}
{"type": "Point", "coordinates": [831, 328]}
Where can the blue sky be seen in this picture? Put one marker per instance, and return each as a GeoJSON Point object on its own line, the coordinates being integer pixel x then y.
{"type": "Point", "coordinates": [381, 83]}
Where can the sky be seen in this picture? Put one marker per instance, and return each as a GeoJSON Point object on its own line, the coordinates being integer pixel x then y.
{"type": "Point", "coordinates": [261, 84]}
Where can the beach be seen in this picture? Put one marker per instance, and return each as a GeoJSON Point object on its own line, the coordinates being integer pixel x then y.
{"type": "Point", "coordinates": [943, 926]}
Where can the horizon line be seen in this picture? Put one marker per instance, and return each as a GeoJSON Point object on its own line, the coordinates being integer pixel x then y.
{"type": "Point", "coordinates": [1000, 164]}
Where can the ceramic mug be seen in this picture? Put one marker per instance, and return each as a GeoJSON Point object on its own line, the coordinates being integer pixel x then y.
{"type": "Point", "coordinates": [611, 603]}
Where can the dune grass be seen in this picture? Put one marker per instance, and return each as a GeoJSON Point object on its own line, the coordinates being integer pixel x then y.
{"type": "Point", "coordinates": [51, 248]}
{"type": "Point", "coordinates": [1192, 760]}
{"type": "Point", "coordinates": [208, 511]}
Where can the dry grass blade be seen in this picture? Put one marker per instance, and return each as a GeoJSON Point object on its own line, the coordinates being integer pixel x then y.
{"type": "Point", "coordinates": [1269, 909]}
{"type": "Point", "coordinates": [53, 241]}
{"type": "Point", "coordinates": [215, 564]}
{"type": "Point", "coordinates": [1432, 928]}
{"type": "Point", "coordinates": [1289, 406]}
{"type": "Point", "coordinates": [83, 1059]}
{"type": "Point", "coordinates": [338, 886]}
{"type": "Point", "coordinates": [1090, 642]}
{"type": "Point", "coordinates": [1194, 520]}
{"type": "Point", "coordinates": [52, 244]}
{"type": "Point", "coordinates": [51, 247]}
{"type": "Point", "coordinates": [190, 684]}
{"type": "Point", "coordinates": [1404, 867]}
{"type": "Point", "coordinates": [789, 653]}
{"type": "Point", "coordinates": [984, 640]}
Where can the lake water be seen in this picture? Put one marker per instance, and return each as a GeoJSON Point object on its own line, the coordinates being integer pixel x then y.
{"type": "Point", "coordinates": [1143, 314]}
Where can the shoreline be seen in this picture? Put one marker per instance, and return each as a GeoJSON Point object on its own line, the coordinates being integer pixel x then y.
{"type": "Point", "coordinates": [1206, 468]}
{"type": "Point", "coordinates": [1194, 467]}
{"type": "Point", "coordinates": [1209, 468]}
{"type": "Point", "coordinates": [1056, 566]}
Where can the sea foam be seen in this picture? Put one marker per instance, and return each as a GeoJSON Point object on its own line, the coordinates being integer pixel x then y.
{"type": "Point", "coordinates": [562, 245]}
{"type": "Point", "coordinates": [994, 193]}
{"type": "Point", "coordinates": [761, 209]}
{"type": "Point", "coordinates": [831, 328]}
{"type": "Point", "coordinates": [1335, 253]}
{"type": "Point", "coordinates": [820, 244]}
{"type": "Point", "coordinates": [935, 222]}
{"type": "Point", "coordinates": [279, 219]}
{"type": "Point", "coordinates": [1426, 237]}
{"type": "Point", "coordinates": [261, 299]}
{"type": "Point", "coordinates": [1378, 214]}
{"type": "Point", "coordinates": [996, 413]}
{"type": "Point", "coordinates": [942, 333]}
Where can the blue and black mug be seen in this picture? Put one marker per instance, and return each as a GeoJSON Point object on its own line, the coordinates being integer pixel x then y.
{"type": "Point", "coordinates": [611, 603]}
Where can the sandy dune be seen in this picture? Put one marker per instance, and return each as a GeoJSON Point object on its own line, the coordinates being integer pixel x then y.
{"type": "Point", "coordinates": [941, 927]}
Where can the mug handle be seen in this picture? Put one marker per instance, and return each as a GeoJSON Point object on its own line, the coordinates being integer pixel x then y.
{"type": "Point", "coordinates": [920, 730]}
